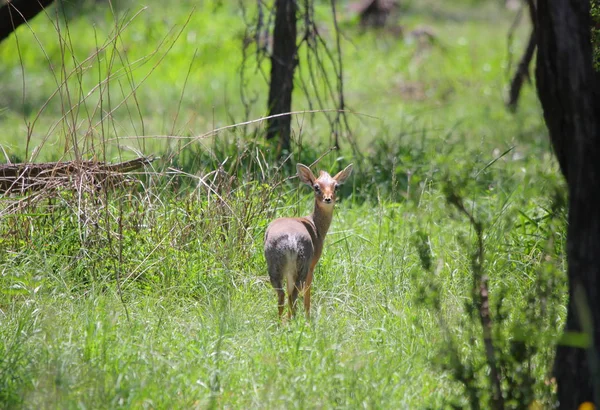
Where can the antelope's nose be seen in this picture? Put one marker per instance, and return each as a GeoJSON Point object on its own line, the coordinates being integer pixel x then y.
{"type": "Point", "coordinates": [327, 199]}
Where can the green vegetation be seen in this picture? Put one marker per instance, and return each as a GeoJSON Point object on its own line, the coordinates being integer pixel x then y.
{"type": "Point", "coordinates": [156, 296]}
{"type": "Point", "coordinates": [595, 30]}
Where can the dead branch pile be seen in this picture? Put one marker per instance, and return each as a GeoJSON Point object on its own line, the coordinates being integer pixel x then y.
{"type": "Point", "coordinates": [16, 178]}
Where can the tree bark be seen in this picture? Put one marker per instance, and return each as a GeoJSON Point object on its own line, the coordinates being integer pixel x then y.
{"type": "Point", "coordinates": [568, 88]}
{"type": "Point", "coordinates": [17, 12]}
{"type": "Point", "coordinates": [283, 64]}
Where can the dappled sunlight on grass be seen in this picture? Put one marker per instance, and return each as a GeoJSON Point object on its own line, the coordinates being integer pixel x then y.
{"type": "Point", "coordinates": [157, 295]}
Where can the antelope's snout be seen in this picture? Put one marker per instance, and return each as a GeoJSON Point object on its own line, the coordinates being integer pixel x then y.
{"type": "Point", "coordinates": [326, 194]}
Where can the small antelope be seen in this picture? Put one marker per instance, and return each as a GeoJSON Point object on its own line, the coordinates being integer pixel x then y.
{"type": "Point", "coordinates": [293, 246]}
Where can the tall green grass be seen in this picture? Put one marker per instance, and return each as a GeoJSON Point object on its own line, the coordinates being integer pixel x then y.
{"type": "Point", "coordinates": [155, 295]}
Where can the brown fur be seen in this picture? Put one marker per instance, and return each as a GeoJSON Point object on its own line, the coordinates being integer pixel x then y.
{"type": "Point", "coordinates": [293, 246]}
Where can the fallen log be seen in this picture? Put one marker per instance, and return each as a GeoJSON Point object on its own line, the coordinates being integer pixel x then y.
{"type": "Point", "coordinates": [51, 175]}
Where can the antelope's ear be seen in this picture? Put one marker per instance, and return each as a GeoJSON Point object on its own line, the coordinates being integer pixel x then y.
{"type": "Point", "coordinates": [305, 174]}
{"type": "Point", "coordinates": [341, 176]}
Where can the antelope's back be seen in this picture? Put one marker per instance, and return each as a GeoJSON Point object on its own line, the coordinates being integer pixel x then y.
{"type": "Point", "coordinates": [289, 238]}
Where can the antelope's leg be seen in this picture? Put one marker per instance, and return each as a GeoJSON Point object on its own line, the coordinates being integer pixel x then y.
{"type": "Point", "coordinates": [307, 286]}
{"type": "Point", "coordinates": [280, 301]}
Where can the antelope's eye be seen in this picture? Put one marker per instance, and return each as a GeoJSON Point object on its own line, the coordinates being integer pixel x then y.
{"type": "Point", "coordinates": [336, 187]}
{"type": "Point", "coordinates": [317, 187]}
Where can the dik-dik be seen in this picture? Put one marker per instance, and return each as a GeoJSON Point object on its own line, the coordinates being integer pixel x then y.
{"type": "Point", "coordinates": [293, 246]}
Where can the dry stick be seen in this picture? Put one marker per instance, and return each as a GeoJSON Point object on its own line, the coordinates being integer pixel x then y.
{"type": "Point", "coordinates": [316, 161]}
{"type": "Point", "coordinates": [226, 127]}
{"type": "Point", "coordinates": [509, 38]}
{"type": "Point", "coordinates": [79, 70]}
{"type": "Point", "coordinates": [22, 65]}
{"type": "Point", "coordinates": [187, 76]}
{"type": "Point", "coordinates": [262, 52]}
{"type": "Point", "coordinates": [111, 122]}
{"type": "Point", "coordinates": [182, 93]}
{"type": "Point", "coordinates": [245, 46]}
{"type": "Point", "coordinates": [340, 72]}
{"type": "Point", "coordinates": [109, 75]}
{"type": "Point", "coordinates": [303, 84]}
{"type": "Point", "coordinates": [155, 65]}
{"type": "Point", "coordinates": [100, 103]}
{"type": "Point", "coordinates": [335, 123]}
{"type": "Point", "coordinates": [312, 39]}
{"type": "Point", "coordinates": [313, 81]}
{"type": "Point", "coordinates": [71, 130]}
{"type": "Point", "coordinates": [70, 112]}
{"type": "Point", "coordinates": [342, 105]}
{"type": "Point", "coordinates": [522, 72]}
{"type": "Point", "coordinates": [319, 65]}
{"type": "Point", "coordinates": [116, 75]}
{"type": "Point", "coordinates": [99, 107]}
{"type": "Point", "coordinates": [120, 265]}
{"type": "Point", "coordinates": [211, 189]}
{"type": "Point", "coordinates": [62, 83]}
{"type": "Point", "coordinates": [31, 125]}
{"type": "Point", "coordinates": [109, 78]}
{"type": "Point", "coordinates": [129, 75]}
{"type": "Point", "coordinates": [304, 87]}
{"type": "Point", "coordinates": [309, 37]}
{"type": "Point", "coordinates": [483, 304]}
{"type": "Point", "coordinates": [130, 277]}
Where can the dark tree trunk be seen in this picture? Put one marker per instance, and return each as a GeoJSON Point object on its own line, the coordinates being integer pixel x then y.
{"type": "Point", "coordinates": [283, 64]}
{"type": "Point", "coordinates": [16, 12]}
{"type": "Point", "coordinates": [568, 88]}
